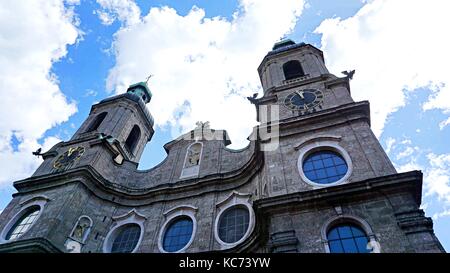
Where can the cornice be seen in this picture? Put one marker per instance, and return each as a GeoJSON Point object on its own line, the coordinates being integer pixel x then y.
{"type": "Point", "coordinates": [401, 182]}
{"type": "Point", "coordinates": [351, 112]}
{"type": "Point", "coordinates": [34, 245]}
{"type": "Point", "coordinates": [325, 78]}
{"type": "Point", "coordinates": [127, 196]}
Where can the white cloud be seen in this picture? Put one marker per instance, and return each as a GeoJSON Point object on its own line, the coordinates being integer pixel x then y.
{"type": "Point", "coordinates": [444, 123]}
{"type": "Point", "coordinates": [33, 35]}
{"type": "Point", "coordinates": [389, 144]}
{"type": "Point", "coordinates": [441, 214]}
{"type": "Point", "coordinates": [437, 177]}
{"type": "Point", "coordinates": [411, 165]}
{"type": "Point", "coordinates": [204, 67]}
{"type": "Point", "coordinates": [124, 10]}
{"type": "Point", "coordinates": [73, 2]}
{"type": "Point", "coordinates": [395, 46]}
{"type": "Point", "coordinates": [407, 152]}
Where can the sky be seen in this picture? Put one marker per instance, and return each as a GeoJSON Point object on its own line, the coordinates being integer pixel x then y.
{"type": "Point", "coordinates": [58, 57]}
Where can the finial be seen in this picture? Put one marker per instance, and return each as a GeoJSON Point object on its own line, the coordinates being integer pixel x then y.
{"type": "Point", "coordinates": [148, 78]}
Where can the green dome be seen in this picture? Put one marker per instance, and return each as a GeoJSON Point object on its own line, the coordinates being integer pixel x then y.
{"type": "Point", "coordinates": [141, 90]}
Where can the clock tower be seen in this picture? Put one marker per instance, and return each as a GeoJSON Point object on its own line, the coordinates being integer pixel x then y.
{"type": "Point", "coordinates": [329, 172]}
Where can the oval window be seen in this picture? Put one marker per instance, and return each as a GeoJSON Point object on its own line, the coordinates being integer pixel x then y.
{"type": "Point", "coordinates": [178, 234]}
{"type": "Point", "coordinates": [126, 239]}
{"type": "Point", "coordinates": [233, 224]}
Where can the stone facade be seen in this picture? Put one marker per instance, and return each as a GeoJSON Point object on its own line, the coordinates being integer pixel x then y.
{"type": "Point", "coordinates": [96, 187]}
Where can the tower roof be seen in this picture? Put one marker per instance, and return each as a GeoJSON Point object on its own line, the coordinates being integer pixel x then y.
{"type": "Point", "coordinates": [143, 86]}
{"type": "Point", "coordinates": [284, 45]}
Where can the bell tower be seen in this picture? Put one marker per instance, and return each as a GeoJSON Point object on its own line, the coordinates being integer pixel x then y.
{"type": "Point", "coordinates": [297, 76]}
{"type": "Point", "coordinates": [124, 118]}
{"type": "Point", "coordinates": [326, 151]}
{"type": "Point", "coordinates": [116, 130]}
{"type": "Point", "coordinates": [289, 63]}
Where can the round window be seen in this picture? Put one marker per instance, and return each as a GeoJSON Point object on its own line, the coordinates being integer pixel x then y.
{"type": "Point", "coordinates": [233, 224]}
{"type": "Point", "coordinates": [324, 167]}
{"type": "Point", "coordinates": [126, 239]}
{"type": "Point", "coordinates": [23, 223]}
{"type": "Point", "coordinates": [178, 234]}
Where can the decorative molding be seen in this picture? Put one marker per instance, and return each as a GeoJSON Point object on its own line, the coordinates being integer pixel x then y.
{"type": "Point", "coordinates": [131, 214]}
{"type": "Point", "coordinates": [235, 196]}
{"type": "Point", "coordinates": [409, 182]}
{"type": "Point", "coordinates": [414, 221]}
{"type": "Point", "coordinates": [181, 208]}
{"type": "Point", "coordinates": [131, 217]}
{"type": "Point", "coordinates": [338, 210]}
{"type": "Point", "coordinates": [34, 245]}
{"type": "Point", "coordinates": [37, 198]}
{"type": "Point", "coordinates": [283, 242]}
{"type": "Point", "coordinates": [318, 139]}
{"type": "Point", "coordinates": [102, 187]}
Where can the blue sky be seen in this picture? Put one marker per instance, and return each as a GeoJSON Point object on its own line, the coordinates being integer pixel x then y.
{"type": "Point", "coordinates": [68, 55]}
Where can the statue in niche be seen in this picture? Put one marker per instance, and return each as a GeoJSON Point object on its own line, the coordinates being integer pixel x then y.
{"type": "Point", "coordinates": [80, 231]}
{"type": "Point", "coordinates": [193, 157]}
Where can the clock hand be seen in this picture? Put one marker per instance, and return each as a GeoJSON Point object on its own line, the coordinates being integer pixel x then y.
{"type": "Point", "coordinates": [300, 94]}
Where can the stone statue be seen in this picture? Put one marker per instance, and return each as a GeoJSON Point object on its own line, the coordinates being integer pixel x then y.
{"type": "Point", "coordinates": [80, 230]}
{"type": "Point", "coordinates": [194, 155]}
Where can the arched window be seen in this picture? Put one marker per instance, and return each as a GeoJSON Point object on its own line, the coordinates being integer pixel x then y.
{"type": "Point", "coordinates": [23, 223]}
{"type": "Point", "coordinates": [178, 234]}
{"type": "Point", "coordinates": [348, 238]}
{"type": "Point", "coordinates": [292, 70]}
{"type": "Point", "coordinates": [133, 138]}
{"type": "Point", "coordinates": [96, 122]}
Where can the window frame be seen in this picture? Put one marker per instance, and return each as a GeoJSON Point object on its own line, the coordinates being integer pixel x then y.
{"type": "Point", "coordinates": [38, 201]}
{"type": "Point", "coordinates": [322, 151]}
{"type": "Point", "coordinates": [119, 230]}
{"type": "Point", "coordinates": [132, 217]}
{"type": "Point", "coordinates": [234, 199]}
{"type": "Point", "coordinates": [349, 219]}
{"type": "Point", "coordinates": [235, 207]}
{"type": "Point", "coordinates": [323, 145]}
{"type": "Point", "coordinates": [171, 216]}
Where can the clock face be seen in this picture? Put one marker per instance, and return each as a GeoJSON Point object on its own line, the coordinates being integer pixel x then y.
{"type": "Point", "coordinates": [68, 157]}
{"type": "Point", "coordinates": [304, 100]}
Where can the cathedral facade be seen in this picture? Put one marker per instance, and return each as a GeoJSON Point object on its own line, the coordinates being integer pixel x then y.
{"type": "Point", "coordinates": [313, 179]}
